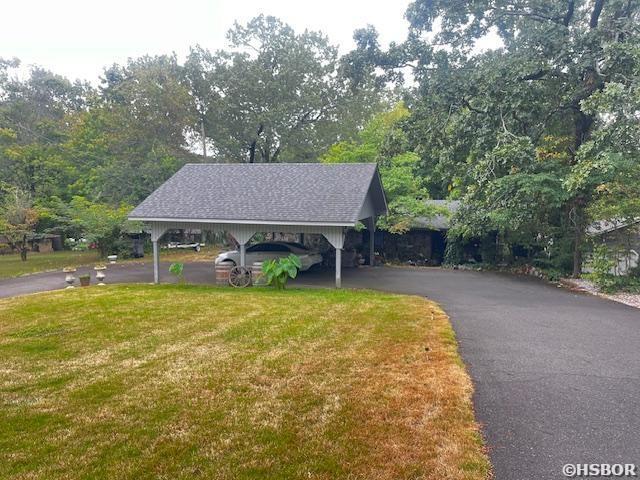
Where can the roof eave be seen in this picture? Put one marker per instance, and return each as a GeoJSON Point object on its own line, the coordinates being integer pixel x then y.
{"type": "Point", "coordinates": [239, 221]}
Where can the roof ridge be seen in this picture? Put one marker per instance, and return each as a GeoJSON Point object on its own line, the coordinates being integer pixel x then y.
{"type": "Point", "coordinates": [280, 163]}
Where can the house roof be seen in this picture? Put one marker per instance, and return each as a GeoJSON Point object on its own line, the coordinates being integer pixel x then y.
{"type": "Point", "coordinates": [605, 226]}
{"type": "Point", "coordinates": [277, 193]}
{"type": "Point", "coordinates": [439, 221]}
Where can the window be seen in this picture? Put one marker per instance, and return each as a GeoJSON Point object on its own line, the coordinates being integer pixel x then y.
{"type": "Point", "coordinates": [268, 247]}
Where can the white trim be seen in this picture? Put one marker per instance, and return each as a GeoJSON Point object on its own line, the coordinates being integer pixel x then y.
{"type": "Point", "coordinates": [335, 237]}
{"type": "Point", "coordinates": [241, 222]}
{"type": "Point", "coordinates": [242, 233]}
{"type": "Point", "coordinates": [368, 198]}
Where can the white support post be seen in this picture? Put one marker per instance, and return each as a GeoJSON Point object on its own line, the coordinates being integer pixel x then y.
{"type": "Point", "coordinates": [335, 236]}
{"type": "Point", "coordinates": [243, 254]}
{"type": "Point", "coordinates": [372, 236]}
{"type": "Point", "coordinates": [156, 262]}
{"type": "Point", "coordinates": [338, 268]}
{"type": "Point", "coordinates": [242, 234]}
{"type": "Point", "coordinates": [157, 230]}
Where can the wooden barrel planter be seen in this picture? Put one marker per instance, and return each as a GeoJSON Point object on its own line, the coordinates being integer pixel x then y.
{"type": "Point", "coordinates": [222, 273]}
{"type": "Point", "coordinates": [257, 277]}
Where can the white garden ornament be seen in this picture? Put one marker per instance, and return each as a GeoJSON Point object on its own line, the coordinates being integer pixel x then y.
{"type": "Point", "coordinates": [100, 273]}
{"type": "Point", "coordinates": [69, 277]}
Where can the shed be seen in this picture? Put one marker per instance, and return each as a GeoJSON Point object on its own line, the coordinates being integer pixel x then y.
{"type": "Point", "coordinates": [243, 199]}
{"type": "Point", "coordinates": [622, 238]}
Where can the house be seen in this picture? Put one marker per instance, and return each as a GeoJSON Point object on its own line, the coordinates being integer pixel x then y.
{"type": "Point", "coordinates": [245, 199]}
{"type": "Point", "coordinates": [622, 238]}
{"type": "Point", "coordinates": [425, 242]}
{"type": "Point", "coordinates": [36, 242]}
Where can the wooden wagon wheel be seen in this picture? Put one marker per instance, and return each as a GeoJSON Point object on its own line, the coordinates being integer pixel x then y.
{"type": "Point", "coordinates": [240, 277]}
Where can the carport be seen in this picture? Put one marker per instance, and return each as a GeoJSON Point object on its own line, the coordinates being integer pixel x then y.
{"type": "Point", "coordinates": [244, 199]}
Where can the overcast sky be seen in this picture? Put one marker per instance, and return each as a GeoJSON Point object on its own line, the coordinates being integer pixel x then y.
{"type": "Point", "coordinates": [79, 38]}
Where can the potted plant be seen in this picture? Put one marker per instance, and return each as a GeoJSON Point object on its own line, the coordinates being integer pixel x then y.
{"type": "Point", "coordinates": [85, 279]}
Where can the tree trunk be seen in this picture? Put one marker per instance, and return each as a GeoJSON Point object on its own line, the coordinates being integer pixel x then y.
{"type": "Point", "coordinates": [204, 140]}
{"type": "Point", "coordinates": [253, 145]}
{"type": "Point", "coordinates": [576, 217]}
{"type": "Point", "coordinates": [23, 249]}
{"type": "Point", "coordinates": [583, 125]}
{"type": "Point", "coordinates": [252, 152]}
{"type": "Point", "coordinates": [578, 240]}
{"type": "Point", "coordinates": [274, 159]}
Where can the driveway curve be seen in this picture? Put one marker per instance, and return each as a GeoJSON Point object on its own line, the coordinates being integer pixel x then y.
{"type": "Point", "coordinates": [556, 373]}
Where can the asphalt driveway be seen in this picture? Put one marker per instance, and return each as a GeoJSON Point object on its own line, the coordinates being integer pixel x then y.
{"type": "Point", "coordinates": [556, 374]}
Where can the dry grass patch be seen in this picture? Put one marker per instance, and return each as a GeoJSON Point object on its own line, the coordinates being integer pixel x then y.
{"type": "Point", "coordinates": [12, 266]}
{"type": "Point", "coordinates": [198, 382]}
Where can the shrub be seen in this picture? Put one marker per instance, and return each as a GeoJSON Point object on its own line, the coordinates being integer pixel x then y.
{"type": "Point", "coordinates": [278, 272]}
{"type": "Point", "coordinates": [177, 269]}
{"type": "Point", "coordinates": [602, 265]}
{"type": "Point", "coordinates": [101, 225]}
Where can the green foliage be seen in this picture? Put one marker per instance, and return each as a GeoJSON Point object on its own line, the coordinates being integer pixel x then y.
{"type": "Point", "coordinates": [608, 163]}
{"type": "Point", "coordinates": [539, 137]}
{"type": "Point", "coordinates": [177, 269]}
{"type": "Point", "coordinates": [101, 224]}
{"type": "Point", "coordinates": [275, 95]}
{"type": "Point", "coordinates": [602, 266]}
{"type": "Point", "coordinates": [18, 219]}
{"type": "Point", "coordinates": [383, 141]}
{"type": "Point", "coordinates": [277, 272]}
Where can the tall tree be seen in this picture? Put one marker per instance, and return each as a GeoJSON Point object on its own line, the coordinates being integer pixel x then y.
{"type": "Point", "coordinates": [32, 127]}
{"type": "Point", "coordinates": [18, 219]}
{"type": "Point", "coordinates": [276, 95]}
{"type": "Point", "coordinates": [134, 135]}
{"type": "Point", "coordinates": [510, 129]}
{"type": "Point", "coordinates": [383, 141]}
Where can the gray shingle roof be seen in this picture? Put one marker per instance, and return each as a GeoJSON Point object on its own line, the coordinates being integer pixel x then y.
{"type": "Point", "coordinates": [439, 221]}
{"type": "Point", "coordinates": [277, 192]}
{"type": "Point", "coordinates": [605, 226]}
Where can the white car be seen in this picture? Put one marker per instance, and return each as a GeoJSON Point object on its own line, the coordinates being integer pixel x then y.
{"type": "Point", "coordinates": [270, 251]}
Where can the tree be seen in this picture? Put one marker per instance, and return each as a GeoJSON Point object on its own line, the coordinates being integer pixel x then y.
{"type": "Point", "coordinates": [383, 141]}
{"type": "Point", "coordinates": [116, 157]}
{"type": "Point", "coordinates": [608, 164]}
{"type": "Point", "coordinates": [134, 136]}
{"type": "Point", "coordinates": [33, 115]}
{"type": "Point", "coordinates": [275, 95]}
{"type": "Point", "coordinates": [516, 131]}
{"type": "Point", "coordinates": [100, 224]}
{"type": "Point", "coordinates": [18, 219]}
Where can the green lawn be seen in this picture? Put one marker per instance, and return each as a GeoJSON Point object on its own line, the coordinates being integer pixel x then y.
{"type": "Point", "coordinates": [198, 382]}
{"type": "Point", "coordinates": [13, 266]}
